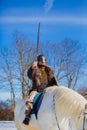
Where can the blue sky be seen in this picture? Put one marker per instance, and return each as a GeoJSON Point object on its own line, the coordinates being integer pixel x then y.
{"type": "Point", "coordinates": [59, 19]}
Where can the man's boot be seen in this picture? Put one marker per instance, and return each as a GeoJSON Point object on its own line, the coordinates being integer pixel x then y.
{"type": "Point", "coordinates": [27, 114]}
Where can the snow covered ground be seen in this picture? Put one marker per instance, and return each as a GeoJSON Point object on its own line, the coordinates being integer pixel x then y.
{"type": "Point", "coordinates": [7, 125]}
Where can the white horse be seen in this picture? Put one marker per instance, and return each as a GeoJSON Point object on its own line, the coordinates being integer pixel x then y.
{"type": "Point", "coordinates": [61, 109]}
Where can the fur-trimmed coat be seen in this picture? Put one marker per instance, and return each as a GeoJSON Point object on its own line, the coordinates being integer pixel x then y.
{"type": "Point", "coordinates": [35, 75]}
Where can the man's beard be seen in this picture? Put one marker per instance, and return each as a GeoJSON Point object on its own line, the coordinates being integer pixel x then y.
{"type": "Point", "coordinates": [41, 65]}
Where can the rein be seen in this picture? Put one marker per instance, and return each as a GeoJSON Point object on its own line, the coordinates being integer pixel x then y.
{"type": "Point", "coordinates": [85, 113]}
{"type": "Point", "coordinates": [55, 113]}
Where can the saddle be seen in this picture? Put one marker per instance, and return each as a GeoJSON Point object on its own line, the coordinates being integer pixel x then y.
{"type": "Point", "coordinates": [37, 103]}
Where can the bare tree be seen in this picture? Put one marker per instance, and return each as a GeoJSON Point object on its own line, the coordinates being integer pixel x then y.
{"type": "Point", "coordinates": [6, 78]}
{"type": "Point", "coordinates": [71, 63]}
{"type": "Point", "coordinates": [24, 56]}
{"type": "Point", "coordinates": [14, 64]}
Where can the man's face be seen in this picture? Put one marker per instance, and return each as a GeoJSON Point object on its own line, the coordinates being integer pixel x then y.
{"type": "Point", "coordinates": [42, 61]}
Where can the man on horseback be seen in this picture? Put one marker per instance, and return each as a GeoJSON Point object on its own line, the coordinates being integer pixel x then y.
{"type": "Point", "coordinates": [42, 76]}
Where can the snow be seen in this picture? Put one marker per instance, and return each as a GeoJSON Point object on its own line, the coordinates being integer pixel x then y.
{"type": "Point", "coordinates": [7, 125]}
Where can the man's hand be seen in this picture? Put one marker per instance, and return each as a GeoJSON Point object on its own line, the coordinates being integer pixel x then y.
{"type": "Point", "coordinates": [34, 64]}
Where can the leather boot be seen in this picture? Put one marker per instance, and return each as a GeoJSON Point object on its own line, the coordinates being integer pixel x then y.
{"type": "Point", "coordinates": [27, 116]}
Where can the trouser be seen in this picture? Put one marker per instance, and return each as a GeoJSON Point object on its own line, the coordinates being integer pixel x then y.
{"type": "Point", "coordinates": [29, 106]}
{"type": "Point", "coordinates": [29, 101]}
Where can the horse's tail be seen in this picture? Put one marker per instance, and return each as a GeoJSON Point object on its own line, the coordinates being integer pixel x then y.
{"type": "Point", "coordinates": [85, 118]}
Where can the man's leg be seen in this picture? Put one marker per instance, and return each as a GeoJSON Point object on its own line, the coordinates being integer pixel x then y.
{"type": "Point", "coordinates": [29, 107]}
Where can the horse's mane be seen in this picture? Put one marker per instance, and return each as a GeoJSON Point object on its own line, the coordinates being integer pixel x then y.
{"type": "Point", "coordinates": [68, 101]}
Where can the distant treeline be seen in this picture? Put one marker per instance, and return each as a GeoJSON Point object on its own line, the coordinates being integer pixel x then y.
{"type": "Point", "coordinates": [6, 113]}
